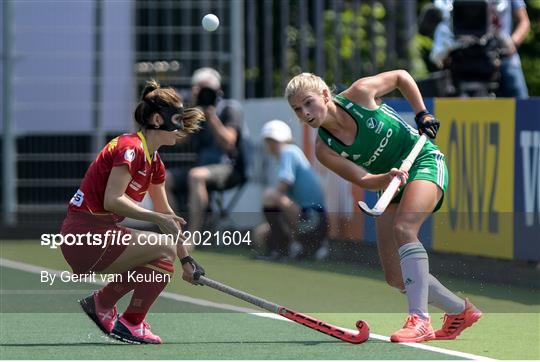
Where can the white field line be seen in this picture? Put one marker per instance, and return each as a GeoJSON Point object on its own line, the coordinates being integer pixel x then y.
{"type": "Point", "coordinates": [206, 303]}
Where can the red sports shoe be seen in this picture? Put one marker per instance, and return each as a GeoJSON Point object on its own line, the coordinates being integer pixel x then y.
{"type": "Point", "coordinates": [103, 318]}
{"type": "Point", "coordinates": [134, 333]}
{"type": "Point", "coordinates": [454, 324]}
{"type": "Point", "coordinates": [415, 329]}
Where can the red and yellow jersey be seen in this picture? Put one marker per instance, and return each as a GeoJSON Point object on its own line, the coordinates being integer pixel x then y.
{"type": "Point", "coordinates": [130, 150]}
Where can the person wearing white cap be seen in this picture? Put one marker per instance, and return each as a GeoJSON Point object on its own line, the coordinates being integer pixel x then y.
{"type": "Point", "coordinates": [294, 208]}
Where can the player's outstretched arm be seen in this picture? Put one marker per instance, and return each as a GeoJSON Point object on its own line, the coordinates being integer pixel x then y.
{"type": "Point", "coordinates": [354, 173]}
{"type": "Point", "coordinates": [367, 90]}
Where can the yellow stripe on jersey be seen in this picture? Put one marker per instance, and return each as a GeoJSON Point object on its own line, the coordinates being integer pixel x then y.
{"type": "Point", "coordinates": [112, 144]}
{"type": "Point", "coordinates": [145, 147]}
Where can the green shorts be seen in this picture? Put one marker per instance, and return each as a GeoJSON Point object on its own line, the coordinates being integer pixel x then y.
{"type": "Point", "coordinates": [430, 167]}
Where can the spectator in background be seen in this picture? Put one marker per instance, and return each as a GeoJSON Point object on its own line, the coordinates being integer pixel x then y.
{"type": "Point", "coordinates": [294, 208]}
{"type": "Point", "coordinates": [443, 38]}
{"type": "Point", "coordinates": [512, 78]}
{"type": "Point", "coordinates": [512, 82]}
{"type": "Point", "coordinates": [221, 162]}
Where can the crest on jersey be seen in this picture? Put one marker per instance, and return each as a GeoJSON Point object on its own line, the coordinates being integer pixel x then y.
{"type": "Point", "coordinates": [371, 123]}
{"type": "Point", "coordinates": [129, 155]}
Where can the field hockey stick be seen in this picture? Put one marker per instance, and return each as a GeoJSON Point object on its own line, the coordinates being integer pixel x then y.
{"type": "Point", "coordinates": [388, 194]}
{"type": "Point", "coordinates": [303, 319]}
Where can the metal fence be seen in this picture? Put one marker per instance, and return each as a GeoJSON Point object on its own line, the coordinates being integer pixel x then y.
{"type": "Point", "coordinates": [340, 40]}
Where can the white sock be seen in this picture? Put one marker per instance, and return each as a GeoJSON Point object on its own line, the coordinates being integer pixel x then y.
{"type": "Point", "coordinates": [415, 271]}
{"type": "Point", "coordinates": [442, 298]}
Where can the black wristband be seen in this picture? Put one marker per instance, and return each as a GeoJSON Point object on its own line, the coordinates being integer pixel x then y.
{"type": "Point", "coordinates": [186, 259]}
{"type": "Point", "coordinates": [420, 114]}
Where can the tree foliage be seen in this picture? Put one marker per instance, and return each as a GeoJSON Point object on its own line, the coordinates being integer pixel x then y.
{"type": "Point", "coordinates": [530, 49]}
{"type": "Point", "coordinates": [355, 44]}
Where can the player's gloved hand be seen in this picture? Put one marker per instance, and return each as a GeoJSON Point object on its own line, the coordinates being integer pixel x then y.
{"type": "Point", "coordinates": [427, 124]}
{"type": "Point", "coordinates": [192, 270]}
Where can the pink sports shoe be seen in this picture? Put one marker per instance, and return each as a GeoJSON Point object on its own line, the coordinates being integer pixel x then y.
{"type": "Point", "coordinates": [454, 324]}
{"type": "Point", "coordinates": [134, 333]}
{"type": "Point", "coordinates": [102, 317]}
{"type": "Point", "coordinates": [415, 329]}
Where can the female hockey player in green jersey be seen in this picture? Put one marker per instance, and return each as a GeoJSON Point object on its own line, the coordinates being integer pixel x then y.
{"type": "Point", "coordinates": [364, 141]}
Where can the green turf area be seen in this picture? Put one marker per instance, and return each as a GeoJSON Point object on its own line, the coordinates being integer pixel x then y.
{"type": "Point", "coordinates": [187, 336]}
{"type": "Point", "coordinates": [35, 328]}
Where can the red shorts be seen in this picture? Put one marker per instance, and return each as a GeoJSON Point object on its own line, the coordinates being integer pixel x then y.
{"type": "Point", "coordinates": [91, 258]}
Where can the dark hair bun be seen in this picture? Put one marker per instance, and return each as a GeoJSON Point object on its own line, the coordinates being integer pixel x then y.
{"type": "Point", "coordinates": [149, 87]}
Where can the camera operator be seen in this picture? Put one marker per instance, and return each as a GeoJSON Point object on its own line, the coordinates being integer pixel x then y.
{"type": "Point", "coordinates": [221, 159]}
{"type": "Point", "coordinates": [512, 78]}
{"type": "Point", "coordinates": [497, 41]}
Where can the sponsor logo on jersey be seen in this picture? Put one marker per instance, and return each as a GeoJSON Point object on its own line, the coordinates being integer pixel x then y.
{"type": "Point", "coordinates": [142, 173]}
{"type": "Point", "coordinates": [329, 141]}
{"type": "Point", "coordinates": [373, 123]}
{"type": "Point", "coordinates": [380, 149]}
{"type": "Point", "coordinates": [135, 185]}
{"type": "Point", "coordinates": [424, 170]}
{"type": "Point", "coordinates": [344, 154]}
{"type": "Point", "coordinates": [129, 155]}
{"type": "Point", "coordinates": [356, 157]}
{"type": "Point", "coordinates": [380, 127]}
